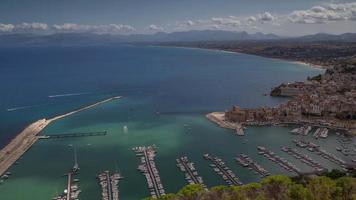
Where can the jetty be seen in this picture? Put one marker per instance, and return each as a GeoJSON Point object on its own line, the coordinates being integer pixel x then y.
{"type": "Point", "coordinates": [220, 120]}
{"type": "Point", "coordinates": [71, 192]}
{"type": "Point", "coordinates": [285, 164]}
{"type": "Point", "coordinates": [304, 159]}
{"type": "Point", "coordinates": [221, 169]}
{"type": "Point", "coordinates": [191, 174]}
{"type": "Point", "coordinates": [148, 168]}
{"type": "Point", "coordinates": [321, 152]}
{"type": "Point", "coordinates": [109, 185]}
{"type": "Point", "coordinates": [321, 133]}
{"type": "Point", "coordinates": [71, 135]}
{"type": "Point", "coordinates": [29, 136]}
{"type": "Point", "coordinates": [303, 130]}
{"type": "Point", "coordinates": [246, 161]}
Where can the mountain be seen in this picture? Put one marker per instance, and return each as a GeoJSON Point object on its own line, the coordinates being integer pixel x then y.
{"type": "Point", "coordinates": [90, 39]}
{"type": "Point", "coordinates": [346, 37]}
{"type": "Point", "coordinates": [74, 39]}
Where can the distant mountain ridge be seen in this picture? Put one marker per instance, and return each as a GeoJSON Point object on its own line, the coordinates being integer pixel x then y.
{"type": "Point", "coordinates": [87, 39]}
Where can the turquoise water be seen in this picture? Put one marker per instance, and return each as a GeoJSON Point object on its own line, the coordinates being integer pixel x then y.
{"type": "Point", "coordinates": [182, 85]}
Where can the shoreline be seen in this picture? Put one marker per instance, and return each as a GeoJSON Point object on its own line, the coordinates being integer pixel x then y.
{"type": "Point", "coordinates": [307, 64]}
{"type": "Point", "coordinates": [219, 119]}
{"type": "Point", "coordinates": [29, 136]}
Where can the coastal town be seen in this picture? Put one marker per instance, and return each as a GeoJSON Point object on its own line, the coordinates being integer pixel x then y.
{"type": "Point", "coordinates": [327, 100]}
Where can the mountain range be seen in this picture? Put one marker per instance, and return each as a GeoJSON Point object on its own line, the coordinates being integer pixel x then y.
{"type": "Point", "coordinates": [82, 39]}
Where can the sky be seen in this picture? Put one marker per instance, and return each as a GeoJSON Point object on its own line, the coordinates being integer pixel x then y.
{"type": "Point", "coordinates": [282, 17]}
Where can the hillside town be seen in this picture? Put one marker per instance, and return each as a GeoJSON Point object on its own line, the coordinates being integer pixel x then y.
{"type": "Point", "coordinates": [326, 100]}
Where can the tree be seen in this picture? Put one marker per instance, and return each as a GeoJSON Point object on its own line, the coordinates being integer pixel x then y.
{"type": "Point", "coordinates": [347, 187]}
{"type": "Point", "coordinates": [190, 192]}
{"type": "Point", "coordinates": [276, 187]}
{"type": "Point", "coordinates": [299, 192]}
{"type": "Point", "coordinates": [322, 188]}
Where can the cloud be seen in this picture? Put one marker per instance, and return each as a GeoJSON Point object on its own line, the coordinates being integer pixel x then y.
{"type": "Point", "coordinates": [266, 17]}
{"type": "Point", "coordinates": [229, 21]}
{"type": "Point", "coordinates": [67, 27]}
{"type": "Point", "coordinates": [31, 27]}
{"type": "Point", "coordinates": [154, 28]}
{"type": "Point", "coordinates": [99, 29]}
{"type": "Point", "coordinates": [324, 14]}
{"type": "Point", "coordinates": [6, 27]}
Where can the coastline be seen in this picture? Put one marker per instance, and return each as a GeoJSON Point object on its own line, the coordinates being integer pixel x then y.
{"type": "Point", "coordinates": [29, 136]}
{"type": "Point", "coordinates": [219, 119]}
{"type": "Point", "coordinates": [307, 64]}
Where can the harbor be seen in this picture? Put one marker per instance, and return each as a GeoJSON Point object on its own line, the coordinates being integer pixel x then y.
{"type": "Point", "coordinates": [284, 163]}
{"type": "Point", "coordinates": [222, 170]}
{"type": "Point", "coordinates": [321, 152]}
{"type": "Point", "coordinates": [191, 174]}
{"type": "Point", "coordinates": [246, 161]}
{"type": "Point", "coordinates": [304, 159]}
{"type": "Point", "coordinates": [148, 168]}
{"type": "Point", "coordinates": [72, 190]}
{"type": "Point", "coordinates": [109, 184]}
{"type": "Point", "coordinates": [303, 130]}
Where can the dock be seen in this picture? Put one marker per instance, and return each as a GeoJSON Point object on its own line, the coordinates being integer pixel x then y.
{"type": "Point", "coordinates": [71, 192]}
{"type": "Point", "coordinates": [304, 159]}
{"type": "Point", "coordinates": [321, 152]}
{"type": "Point", "coordinates": [221, 169]}
{"type": "Point", "coordinates": [148, 168]}
{"type": "Point", "coordinates": [246, 161]}
{"type": "Point", "coordinates": [191, 174]}
{"type": "Point", "coordinates": [109, 185]}
{"type": "Point", "coordinates": [71, 135]}
{"type": "Point", "coordinates": [29, 136]}
{"type": "Point", "coordinates": [285, 164]}
{"type": "Point", "coordinates": [303, 130]}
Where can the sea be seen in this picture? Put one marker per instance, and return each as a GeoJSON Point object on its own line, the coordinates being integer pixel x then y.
{"type": "Point", "coordinates": [166, 92]}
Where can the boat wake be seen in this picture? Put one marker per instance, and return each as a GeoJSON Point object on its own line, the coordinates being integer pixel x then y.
{"type": "Point", "coordinates": [18, 108]}
{"type": "Point", "coordinates": [67, 95]}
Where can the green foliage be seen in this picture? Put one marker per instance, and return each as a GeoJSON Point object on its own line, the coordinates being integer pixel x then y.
{"type": "Point", "coordinates": [274, 188]}
{"type": "Point", "coordinates": [322, 188]}
{"type": "Point", "coordinates": [190, 192]}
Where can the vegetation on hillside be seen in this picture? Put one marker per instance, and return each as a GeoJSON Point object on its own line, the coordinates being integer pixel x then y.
{"type": "Point", "coordinates": [332, 186]}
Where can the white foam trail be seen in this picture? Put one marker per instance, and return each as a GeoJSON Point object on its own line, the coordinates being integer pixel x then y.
{"type": "Point", "coordinates": [18, 108]}
{"type": "Point", "coordinates": [67, 95]}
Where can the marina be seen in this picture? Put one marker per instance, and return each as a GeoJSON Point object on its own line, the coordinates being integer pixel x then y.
{"type": "Point", "coordinates": [148, 168]}
{"type": "Point", "coordinates": [221, 169]}
{"type": "Point", "coordinates": [304, 158]}
{"type": "Point", "coordinates": [321, 133]}
{"type": "Point", "coordinates": [323, 153]}
{"type": "Point", "coordinates": [109, 185]}
{"type": "Point", "coordinates": [246, 161]}
{"type": "Point", "coordinates": [191, 174]}
{"type": "Point", "coordinates": [303, 130]}
{"type": "Point", "coordinates": [72, 191]}
{"type": "Point", "coordinates": [270, 155]}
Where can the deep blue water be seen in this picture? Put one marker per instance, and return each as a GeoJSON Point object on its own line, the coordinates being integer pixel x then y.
{"type": "Point", "coordinates": [179, 80]}
{"type": "Point", "coordinates": [179, 83]}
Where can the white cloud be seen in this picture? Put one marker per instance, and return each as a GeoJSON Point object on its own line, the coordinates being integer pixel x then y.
{"type": "Point", "coordinates": [6, 27]}
{"type": "Point", "coordinates": [31, 27]}
{"type": "Point", "coordinates": [67, 27]}
{"type": "Point", "coordinates": [228, 21]}
{"type": "Point", "coordinates": [324, 14]}
{"type": "Point", "coordinates": [154, 28]}
{"type": "Point", "coordinates": [99, 29]}
{"type": "Point", "coordinates": [266, 17]}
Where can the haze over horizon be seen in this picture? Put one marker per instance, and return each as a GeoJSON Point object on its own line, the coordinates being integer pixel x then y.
{"type": "Point", "coordinates": [279, 17]}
